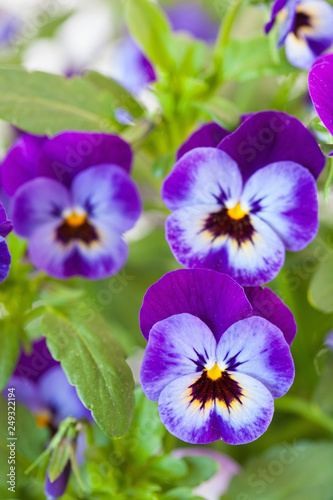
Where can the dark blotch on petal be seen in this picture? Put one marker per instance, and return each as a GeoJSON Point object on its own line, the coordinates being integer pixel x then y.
{"type": "Point", "coordinates": [220, 223]}
{"type": "Point", "coordinates": [224, 389]}
{"type": "Point", "coordinates": [85, 232]}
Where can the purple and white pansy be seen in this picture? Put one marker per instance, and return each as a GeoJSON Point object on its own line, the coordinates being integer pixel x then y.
{"type": "Point", "coordinates": [321, 89]}
{"type": "Point", "coordinates": [5, 258]}
{"type": "Point", "coordinates": [305, 29]}
{"type": "Point", "coordinates": [72, 198]}
{"type": "Point", "coordinates": [213, 365]}
{"type": "Point", "coordinates": [238, 207]}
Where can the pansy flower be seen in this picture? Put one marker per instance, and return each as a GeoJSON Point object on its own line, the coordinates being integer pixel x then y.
{"type": "Point", "coordinates": [41, 385]}
{"type": "Point", "coordinates": [237, 208]}
{"type": "Point", "coordinates": [73, 199]}
{"type": "Point", "coordinates": [305, 29]}
{"type": "Point", "coordinates": [5, 229]}
{"type": "Point", "coordinates": [321, 89]}
{"type": "Point", "coordinates": [212, 364]}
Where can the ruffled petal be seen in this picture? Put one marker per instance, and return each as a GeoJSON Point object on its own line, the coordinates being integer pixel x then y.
{"type": "Point", "coordinates": [320, 31]}
{"type": "Point", "coordinates": [40, 201]}
{"type": "Point", "coordinates": [179, 345]}
{"type": "Point", "coordinates": [272, 136]}
{"type": "Point", "coordinates": [109, 196]}
{"type": "Point", "coordinates": [247, 420]}
{"type": "Point", "coordinates": [298, 52]}
{"type": "Point", "coordinates": [5, 225]}
{"type": "Point", "coordinates": [5, 259]}
{"type": "Point", "coordinates": [188, 422]}
{"type": "Point", "coordinates": [253, 262]}
{"type": "Point", "coordinates": [257, 348]}
{"type": "Point", "coordinates": [207, 136]}
{"type": "Point", "coordinates": [321, 89]}
{"type": "Point", "coordinates": [202, 177]}
{"type": "Point", "coordinates": [277, 7]}
{"type": "Point", "coordinates": [268, 305]}
{"type": "Point", "coordinates": [68, 153]}
{"type": "Point", "coordinates": [284, 195]}
{"type": "Point", "coordinates": [213, 297]}
{"type": "Point", "coordinates": [21, 162]}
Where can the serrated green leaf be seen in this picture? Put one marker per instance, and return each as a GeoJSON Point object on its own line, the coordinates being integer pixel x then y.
{"type": "Point", "coordinates": [43, 103]}
{"type": "Point", "coordinates": [95, 363]}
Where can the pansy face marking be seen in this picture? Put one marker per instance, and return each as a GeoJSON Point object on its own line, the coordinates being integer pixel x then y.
{"type": "Point", "coordinates": [76, 227]}
{"type": "Point", "coordinates": [215, 386]}
{"type": "Point", "coordinates": [305, 27]}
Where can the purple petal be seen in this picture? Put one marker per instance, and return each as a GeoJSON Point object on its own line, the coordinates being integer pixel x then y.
{"type": "Point", "coordinates": [32, 366]}
{"type": "Point", "coordinates": [201, 177]}
{"type": "Point", "coordinates": [38, 202]}
{"type": "Point", "coordinates": [27, 393]}
{"type": "Point", "coordinates": [269, 306]}
{"type": "Point", "coordinates": [21, 162]}
{"type": "Point", "coordinates": [60, 396]}
{"type": "Point", "coordinates": [177, 346]}
{"type": "Point", "coordinates": [256, 347]}
{"type": "Point", "coordinates": [277, 7]}
{"type": "Point", "coordinates": [284, 195]}
{"type": "Point", "coordinates": [329, 341]}
{"type": "Point", "coordinates": [68, 153]}
{"type": "Point", "coordinates": [189, 17]}
{"type": "Point", "coordinates": [188, 422]}
{"type": "Point", "coordinates": [5, 259]}
{"type": "Point", "coordinates": [58, 487]}
{"type": "Point", "coordinates": [321, 89]}
{"type": "Point", "coordinates": [254, 261]}
{"type": "Point", "coordinates": [272, 136]}
{"type": "Point", "coordinates": [213, 297]}
{"type": "Point", "coordinates": [244, 422]}
{"type": "Point", "coordinates": [5, 225]}
{"type": "Point", "coordinates": [109, 195]}
{"type": "Point", "coordinates": [208, 136]}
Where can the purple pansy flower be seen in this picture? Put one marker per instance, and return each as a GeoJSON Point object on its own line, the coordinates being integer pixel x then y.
{"type": "Point", "coordinates": [238, 207]}
{"type": "Point", "coordinates": [305, 29]}
{"type": "Point", "coordinates": [213, 366]}
{"type": "Point", "coordinates": [321, 89]}
{"type": "Point", "coordinates": [5, 259]}
{"type": "Point", "coordinates": [193, 19]}
{"type": "Point", "coordinates": [41, 385]}
{"type": "Point", "coordinates": [72, 198]}
{"type": "Point", "coordinates": [219, 483]}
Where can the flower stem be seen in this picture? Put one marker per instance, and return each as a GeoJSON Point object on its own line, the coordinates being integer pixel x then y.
{"type": "Point", "coordinates": [307, 409]}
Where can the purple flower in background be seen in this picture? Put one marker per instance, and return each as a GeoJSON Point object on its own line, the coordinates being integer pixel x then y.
{"type": "Point", "coordinates": [193, 19]}
{"type": "Point", "coordinates": [218, 484]}
{"type": "Point", "coordinates": [212, 364]}
{"type": "Point", "coordinates": [5, 259]}
{"type": "Point", "coordinates": [329, 341]}
{"type": "Point", "coordinates": [238, 207]}
{"type": "Point", "coordinates": [305, 29]}
{"type": "Point", "coordinates": [41, 385]}
{"type": "Point", "coordinates": [72, 198]}
{"type": "Point", "coordinates": [321, 89]}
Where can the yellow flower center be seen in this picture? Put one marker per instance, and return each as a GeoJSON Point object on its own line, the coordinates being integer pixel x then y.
{"type": "Point", "coordinates": [214, 373]}
{"type": "Point", "coordinates": [75, 220]}
{"type": "Point", "coordinates": [43, 419]}
{"type": "Point", "coordinates": [237, 212]}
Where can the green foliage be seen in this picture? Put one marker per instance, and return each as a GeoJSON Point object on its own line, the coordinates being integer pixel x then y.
{"type": "Point", "coordinates": [321, 286]}
{"type": "Point", "coordinates": [298, 471]}
{"type": "Point", "coordinates": [106, 384]}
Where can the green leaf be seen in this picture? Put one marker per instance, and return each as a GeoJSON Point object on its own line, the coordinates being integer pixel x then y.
{"type": "Point", "coordinates": [149, 26]}
{"type": "Point", "coordinates": [200, 470]}
{"type": "Point", "coordinates": [121, 98]}
{"type": "Point", "coordinates": [329, 179]}
{"type": "Point", "coordinates": [179, 494]}
{"type": "Point", "coordinates": [9, 347]}
{"type": "Point", "coordinates": [167, 469]}
{"type": "Point", "coordinates": [59, 459]}
{"type": "Point", "coordinates": [298, 471]}
{"type": "Point", "coordinates": [321, 285]}
{"type": "Point", "coordinates": [220, 110]}
{"type": "Point", "coordinates": [251, 58]}
{"type": "Point", "coordinates": [43, 103]}
{"type": "Point", "coordinates": [95, 363]}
